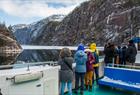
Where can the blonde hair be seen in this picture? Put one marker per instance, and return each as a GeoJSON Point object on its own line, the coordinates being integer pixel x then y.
{"type": "Point", "coordinates": [65, 52]}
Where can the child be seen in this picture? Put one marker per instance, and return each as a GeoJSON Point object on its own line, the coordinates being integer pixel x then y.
{"type": "Point", "coordinates": [89, 73]}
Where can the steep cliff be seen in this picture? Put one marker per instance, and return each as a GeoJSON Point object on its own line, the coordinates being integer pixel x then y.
{"type": "Point", "coordinates": [97, 21]}
{"type": "Point", "coordinates": [7, 38]}
{"type": "Point", "coordinates": [9, 47]}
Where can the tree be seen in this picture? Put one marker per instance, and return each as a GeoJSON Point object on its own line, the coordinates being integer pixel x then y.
{"type": "Point", "coordinates": [9, 27]}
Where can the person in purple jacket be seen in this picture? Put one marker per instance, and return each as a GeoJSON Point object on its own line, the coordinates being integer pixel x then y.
{"type": "Point", "coordinates": [89, 73]}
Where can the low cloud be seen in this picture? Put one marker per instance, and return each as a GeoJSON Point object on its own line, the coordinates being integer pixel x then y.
{"type": "Point", "coordinates": [37, 8]}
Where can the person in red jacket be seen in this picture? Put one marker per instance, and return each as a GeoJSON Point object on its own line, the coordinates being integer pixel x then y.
{"type": "Point", "coordinates": [89, 73]}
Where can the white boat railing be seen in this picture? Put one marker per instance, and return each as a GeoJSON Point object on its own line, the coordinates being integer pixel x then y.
{"type": "Point", "coordinates": [28, 65]}
{"type": "Point", "coordinates": [32, 47]}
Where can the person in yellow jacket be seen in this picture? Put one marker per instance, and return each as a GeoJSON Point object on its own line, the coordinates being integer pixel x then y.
{"type": "Point", "coordinates": [95, 53]}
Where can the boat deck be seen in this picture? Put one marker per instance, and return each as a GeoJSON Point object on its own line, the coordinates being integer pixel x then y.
{"type": "Point", "coordinates": [106, 91]}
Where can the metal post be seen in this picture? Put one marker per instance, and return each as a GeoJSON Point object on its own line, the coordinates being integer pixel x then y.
{"type": "Point", "coordinates": [28, 68]}
{"type": "Point", "coordinates": [131, 22]}
{"type": "Point", "coordinates": [131, 30]}
{"type": "Point", "coordinates": [139, 39]}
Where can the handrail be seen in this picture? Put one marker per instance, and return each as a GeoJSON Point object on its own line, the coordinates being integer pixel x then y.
{"type": "Point", "coordinates": [53, 47]}
{"type": "Point", "coordinates": [123, 66]}
{"type": "Point", "coordinates": [50, 63]}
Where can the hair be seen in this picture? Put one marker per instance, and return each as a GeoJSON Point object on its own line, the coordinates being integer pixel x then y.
{"type": "Point", "coordinates": [65, 52]}
{"type": "Point", "coordinates": [131, 41]}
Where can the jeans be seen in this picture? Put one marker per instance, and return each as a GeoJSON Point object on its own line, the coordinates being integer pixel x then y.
{"type": "Point", "coordinates": [79, 77]}
{"type": "Point", "coordinates": [96, 70]}
{"type": "Point", "coordinates": [69, 86]}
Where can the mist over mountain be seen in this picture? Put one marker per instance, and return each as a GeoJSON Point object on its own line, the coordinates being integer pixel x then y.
{"type": "Point", "coordinates": [97, 21]}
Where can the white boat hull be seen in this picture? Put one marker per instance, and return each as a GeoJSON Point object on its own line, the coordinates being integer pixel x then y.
{"type": "Point", "coordinates": [39, 80]}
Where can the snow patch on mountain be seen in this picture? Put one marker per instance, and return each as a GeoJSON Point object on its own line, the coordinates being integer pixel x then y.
{"type": "Point", "coordinates": [26, 33]}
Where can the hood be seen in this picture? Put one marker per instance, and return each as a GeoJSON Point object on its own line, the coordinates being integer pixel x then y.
{"type": "Point", "coordinates": [65, 52]}
{"type": "Point", "coordinates": [92, 47]}
{"type": "Point", "coordinates": [80, 53]}
{"type": "Point", "coordinates": [81, 47]}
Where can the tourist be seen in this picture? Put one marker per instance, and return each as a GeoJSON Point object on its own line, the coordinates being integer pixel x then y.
{"type": "Point", "coordinates": [80, 69]}
{"type": "Point", "coordinates": [95, 53]}
{"type": "Point", "coordinates": [124, 55]}
{"type": "Point", "coordinates": [131, 53]}
{"type": "Point", "coordinates": [89, 67]}
{"type": "Point", "coordinates": [66, 71]}
{"type": "Point", "coordinates": [119, 55]}
{"type": "Point", "coordinates": [110, 54]}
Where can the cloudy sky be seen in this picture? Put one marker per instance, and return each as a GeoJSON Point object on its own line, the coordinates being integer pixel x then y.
{"type": "Point", "coordinates": [28, 11]}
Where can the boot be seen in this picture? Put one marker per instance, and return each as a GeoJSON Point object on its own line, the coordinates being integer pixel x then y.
{"type": "Point", "coordinates": [97, 82]}
{"type": "Point", "coordinates": [82, 93]}
{"type": "Point", "coordinates": [90, 88]}
{"type": "Point", "coordinates": [75, 91]}
{"type": "Point", "coordinates": [86, 87]}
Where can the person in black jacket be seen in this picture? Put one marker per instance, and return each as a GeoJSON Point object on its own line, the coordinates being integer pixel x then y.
{"type": "Point", "coordinates": [123, 62]}
{"type": "Point", "coordinates": [131, 53]}
{"type": "Point", "coordinates": [110, 53]}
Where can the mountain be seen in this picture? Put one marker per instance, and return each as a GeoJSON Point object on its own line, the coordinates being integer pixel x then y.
{"type": "Point", "coordinates": [25, 34]}
{"type": "Point", "coordinates": [97, 21]}
{"type": "Point", "coordinates": [9, 47]}
{"type": "Point", "coordinates": [7, 38]}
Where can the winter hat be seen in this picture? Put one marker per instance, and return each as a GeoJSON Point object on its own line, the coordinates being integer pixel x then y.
{"type": "Point", "coordinates": [65, 52]}
{"type": "Point", "coordinates": [92, 47]}
{"type": "Point", "coordinates": [80, 47]}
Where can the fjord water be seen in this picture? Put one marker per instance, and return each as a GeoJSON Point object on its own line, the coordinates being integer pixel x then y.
{"type": "Point", "coordinates": [38, 55]}
{"type": "Point", "coordinates": [29, 55]}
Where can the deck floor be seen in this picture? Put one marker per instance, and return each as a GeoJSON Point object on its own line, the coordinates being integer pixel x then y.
{"type": "Point", "coordinates": [106, 91]}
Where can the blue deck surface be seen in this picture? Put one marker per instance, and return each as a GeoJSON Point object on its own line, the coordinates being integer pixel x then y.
{"type": "Point", "coordinates": [106, 91]}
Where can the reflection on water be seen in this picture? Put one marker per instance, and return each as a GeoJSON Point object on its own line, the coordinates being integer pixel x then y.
{"type": "Point", "coordinates": [30, 56]}
{"type": "Point", "coordinates": [38, 55]}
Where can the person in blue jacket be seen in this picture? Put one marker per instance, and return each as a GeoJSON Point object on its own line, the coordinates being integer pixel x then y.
{"type": "Point", "coordinates": [80, 69]}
